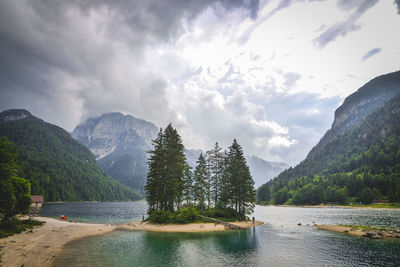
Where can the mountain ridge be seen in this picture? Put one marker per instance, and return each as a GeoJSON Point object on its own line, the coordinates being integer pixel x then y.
{"type": "Point", "coordinates": [57, 166]}
{"type": "Point", "coordinates": [359, 104]}
{"type": "Point", "coordinates": [361, 162]}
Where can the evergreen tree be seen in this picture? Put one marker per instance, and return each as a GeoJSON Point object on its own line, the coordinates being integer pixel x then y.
{"type": "Point", "coordinates": [155, 188]}
{"type": "Point", "coordinates": [188, 184]}
{"type": "Point", "coordinates": [216, 165]}
{"type": "Point", "coordinates": [200, 182]}
{"type": "Point", "coordinates": [175, 167]}
{"type": "Point", "coordinates": [15, 194]}
{"type": "Point", "coordinates": [165, 184]}
{"type": "Point", "coordinates": [238, 185]}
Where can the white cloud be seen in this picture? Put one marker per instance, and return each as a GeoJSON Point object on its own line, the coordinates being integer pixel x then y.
{"type": "Point", "coordinates": [214, 69]}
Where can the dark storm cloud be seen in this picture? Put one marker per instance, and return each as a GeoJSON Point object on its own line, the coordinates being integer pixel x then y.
{"type": "Point", "coordinates": [342, 28]}
{"type": "Point", "coordinates": [397, 2]}
{"type": "Point", "coordinates": [371, 53]}
{"type": "Point", "coordinates": [61, 59]}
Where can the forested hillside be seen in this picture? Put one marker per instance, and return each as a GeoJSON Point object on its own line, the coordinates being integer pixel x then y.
{"type": "Point", "coordinates": [362, 164]}
{"type": "Point", "coordinates": [57, 166]}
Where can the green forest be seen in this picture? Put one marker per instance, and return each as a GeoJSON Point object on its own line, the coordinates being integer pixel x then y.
{"type": "Point", "coordinates": [15, 197]}
{"type": "Point", "coordinates": [362, 165]}
{"type": "Point", "coordinates": [220, 186]}
{"type": "Point", "coordinates": [57, 166]}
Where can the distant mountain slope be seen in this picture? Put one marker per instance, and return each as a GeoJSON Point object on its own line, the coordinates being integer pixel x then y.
{"type": "Point", "coordinates": [120, 143]}
{"type": "Point", "coordinates": [358, 105]}
{"type": "Point", "coordinates": [57, 166]}
{"type": "Point", "coordinates": [262, 170]}
{"type": "Point", "coordinates": [364, 157]}
{"type": "Point", "coordinates": [192, 155]}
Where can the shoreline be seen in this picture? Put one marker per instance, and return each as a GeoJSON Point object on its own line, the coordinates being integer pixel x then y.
{"type": "Point", "coordinates": [40, 246]}
{"type": "Point", "coordinates": [183, 228]}
{"type": "Point", "coordinates": [331, 207]}
{"type": "Point", "coordinates": [362, 231]}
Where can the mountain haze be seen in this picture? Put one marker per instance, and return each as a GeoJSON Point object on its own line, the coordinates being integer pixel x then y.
{"type": "Point", "coordinates": [262, 170]}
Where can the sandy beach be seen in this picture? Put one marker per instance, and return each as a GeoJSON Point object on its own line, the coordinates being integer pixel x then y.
{"type": "Point", "coordinates": [40, 247]}
{"type": "Point", "coordinates": [188, 228]}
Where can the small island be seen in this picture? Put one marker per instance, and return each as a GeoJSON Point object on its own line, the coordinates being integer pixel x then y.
{"type": "Point", "coordinates": [364, 231]}
{"type": "Point", "coordinates": [220, 189]}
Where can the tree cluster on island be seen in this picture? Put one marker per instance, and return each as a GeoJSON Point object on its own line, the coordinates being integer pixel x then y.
{"type": "Point", "coordinates": [220, 186]}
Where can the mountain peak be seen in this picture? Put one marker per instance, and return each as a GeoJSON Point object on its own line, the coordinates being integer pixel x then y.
{"type": "Point", "coordinates": [14, 114]}
{"type": "Point", "coordinates": [119, 143]}
{"type": "Point", "coordinates": [359, 105]}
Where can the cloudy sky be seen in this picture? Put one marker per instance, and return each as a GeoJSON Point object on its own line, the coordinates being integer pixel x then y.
{"type": "Point", "coordinates": [270, 73]}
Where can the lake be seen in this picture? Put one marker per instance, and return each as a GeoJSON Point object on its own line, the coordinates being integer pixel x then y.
{"type": "Point", "coordinates": [279, 242]}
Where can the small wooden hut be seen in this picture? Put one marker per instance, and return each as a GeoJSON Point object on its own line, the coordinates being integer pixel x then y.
{"type": "Point", "coordinates": [36, 206]}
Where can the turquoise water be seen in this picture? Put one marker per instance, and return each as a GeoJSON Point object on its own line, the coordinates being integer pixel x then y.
{"type": "Point", "coordinates": [97, 212]}
{"type": "Point", "coordinates": [279, 242]}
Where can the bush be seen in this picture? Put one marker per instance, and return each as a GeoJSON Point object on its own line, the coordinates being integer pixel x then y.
{"type": "Point", "coordinates": [160, 216]}
{"type": "Point", "coordinates": [181, 216]}
{"type": "Point", "coordinates": [15, 226]}
{"type": "Point", "coordinates": [185, 215]}
{"type": "Point", "coordinates": [227, 214]}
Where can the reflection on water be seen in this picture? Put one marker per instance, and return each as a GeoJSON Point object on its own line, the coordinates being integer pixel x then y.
{"type": "Point", "coordinates": [279, 242]}
{"type": "Point", "coordinates": [139, 248]}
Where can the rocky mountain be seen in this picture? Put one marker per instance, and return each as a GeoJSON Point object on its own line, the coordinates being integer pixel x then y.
{"type": "Point", "coordinates": [262, 170]}
{"type": "Point", "coordinates": [358, 105]}
{"type": "Point", "coordinates": [57, 166]}
{"type": "Point", "coordinates": [120, 144]}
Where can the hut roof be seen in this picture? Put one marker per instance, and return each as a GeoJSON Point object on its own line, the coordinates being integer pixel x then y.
{"type": "Point", "coordinates": [37, 198]}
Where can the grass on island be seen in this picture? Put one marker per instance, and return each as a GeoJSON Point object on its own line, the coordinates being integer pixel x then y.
{"type": "Point", "coordinates": [190, 215]}
{"type": "Point", "coordinates": [16, 226]}
{"type": "Point", "coordinates": [366, 228]}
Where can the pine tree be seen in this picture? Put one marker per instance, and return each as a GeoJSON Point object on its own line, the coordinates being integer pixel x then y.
{"type": "Point", "coordinates": [155, 188]}
{"type": "Point", "coordinates": [164, 186]}
{"type": "Point", "coordinates": [175, 166]}
{"type": "Point", "coordinates": [238, 185]}
{"type": "Point", "coordinates": [188, 184]}
{"type": "Point", "coordinates": [200, 182]}
{"type": "Point", "coordinates": [216, 165]}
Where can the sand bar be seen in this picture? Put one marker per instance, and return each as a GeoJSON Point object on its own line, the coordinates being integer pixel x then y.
{"type": "Point", "coordinates": [40, 247]}
{"type": "Point", "coordinates": [185, 228]}
{"type": "Point", "coordinates": [359, 231]}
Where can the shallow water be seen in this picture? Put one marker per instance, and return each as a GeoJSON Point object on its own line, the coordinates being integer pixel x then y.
{"type": "Point", "coordinates": [279, 242]}
{"type": "Point", "coordinates": [97, 212]}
